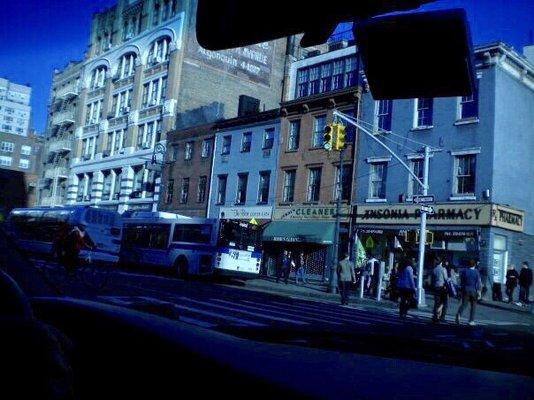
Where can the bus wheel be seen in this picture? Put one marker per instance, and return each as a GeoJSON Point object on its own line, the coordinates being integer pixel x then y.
{"type": "Point", "coordinates": [182, 268]}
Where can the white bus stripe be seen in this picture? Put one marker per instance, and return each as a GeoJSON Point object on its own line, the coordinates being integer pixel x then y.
{"type": "Point", "coordinates": [265, 316]}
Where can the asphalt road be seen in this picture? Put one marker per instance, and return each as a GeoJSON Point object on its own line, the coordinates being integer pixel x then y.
{"type": "Point", "coordinates": [235, 308]}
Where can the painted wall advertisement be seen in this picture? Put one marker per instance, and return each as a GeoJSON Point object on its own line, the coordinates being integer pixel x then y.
{"type": "Point", "coordinates": [259, 212]}
{"type": "Point", "coordinates": [254, 61]}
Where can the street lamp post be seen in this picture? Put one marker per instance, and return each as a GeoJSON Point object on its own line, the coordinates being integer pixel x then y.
{"type": "Point", "coordinates": [422, 234]}
{"type": "Point", "coordinates": [335, 258]}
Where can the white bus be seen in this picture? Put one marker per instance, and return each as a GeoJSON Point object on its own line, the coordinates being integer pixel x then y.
{"type": "Point", "coordinates": [190, 246]}
{"type": "Point", "coordinates": [35, 229]}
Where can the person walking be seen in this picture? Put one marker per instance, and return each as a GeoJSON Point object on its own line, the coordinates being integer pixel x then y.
{"type": "Point", "coordinates": [284, 267]}
{"type": "Point", "coordinates": [406, 288]}
{"type": "Point", "coordinates": [525, 282]}
{"type": "Point", "coordinates": [301, 269]}
{"type": "Point", "coordinates": [471, 287]}
{"type": "Point", "coordinates": [512, 278]}
{"type": "Point", "coordinates": [346, 275]}
{"type": "Point", "coordinates": [441, 295]}
{"type": "Point", "coordinates": [484, 278]}
{"type": "Point", "coordinates": [72, 244]}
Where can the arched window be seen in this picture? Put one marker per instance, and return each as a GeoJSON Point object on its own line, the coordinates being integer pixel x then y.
{"type": "Point", "coordinates": [98, 78]}
{"type": "Point", "coordinates": [159, 50]}
{"type": "Point", "coordinates": [126, 65]}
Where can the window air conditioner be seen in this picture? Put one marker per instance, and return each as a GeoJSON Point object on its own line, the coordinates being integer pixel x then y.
{"type": "Point", "coordinates": [87, 198]}
{"type": "Point", "coordinates": [154, 102]}
{"type": "Point", "coordinates": [128, 36]}
{"type": "Point", "coordinates": [125, 110]}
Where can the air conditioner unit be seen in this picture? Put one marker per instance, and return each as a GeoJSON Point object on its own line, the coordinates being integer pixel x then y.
{"type": "Point", "coordinates": [109, 46]}
{"type": "Point", "coordinates": [93, 121]}
{"type": "Point", "coordinates": [128, 36]}
{"type": "Point", "coordinates": [125, 110]}
{"type": "Point", "coordinates": [154, 102]}
{"type": "Point", "coordinates": [121, 151]}
{"type": "Point", "coordinates": [115, 196]}
{"type": "Point", "coordinates": [105, 153]}
{"type": "Point", "coordinates": [146, 146]}
{"type": "Point", "coordinates": [157, 60]}
{"type": "Point", "coordinates": [87, 197]}
{"type": "Point", "coordinates": [86, 157]}
{"type": "Point", "coordinates": [337, 45]}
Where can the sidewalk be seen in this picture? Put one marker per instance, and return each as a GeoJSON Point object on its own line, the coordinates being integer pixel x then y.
{"type": "Point", "coordinates": [318, 291]}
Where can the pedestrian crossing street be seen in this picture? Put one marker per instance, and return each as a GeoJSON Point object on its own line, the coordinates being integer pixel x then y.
{"type": "Point", "coordinates": [213, 312]}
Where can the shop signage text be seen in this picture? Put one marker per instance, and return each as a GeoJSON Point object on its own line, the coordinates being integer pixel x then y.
{"type": "Point", "coordinates": [310, 213]}
{"type": "Point", "coordinates": [444, 214]}
{"type": "Point", "coordinates": [260, 212]}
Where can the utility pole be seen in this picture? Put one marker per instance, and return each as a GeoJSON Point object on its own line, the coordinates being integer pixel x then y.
{"type": "Point", "coordinates": [335, 258]}
{"type": "Point", "coordinates": [422, 234]}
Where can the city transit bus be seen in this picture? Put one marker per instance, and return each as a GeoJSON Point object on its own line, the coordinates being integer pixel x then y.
{"type": "Point", "coordinates": [190, 246]}
{"type": "Point", "coordinates": [35, 229]}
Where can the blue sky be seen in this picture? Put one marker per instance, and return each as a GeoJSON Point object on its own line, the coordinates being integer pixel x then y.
{"type": "Point", "coordinates": [37, 36]}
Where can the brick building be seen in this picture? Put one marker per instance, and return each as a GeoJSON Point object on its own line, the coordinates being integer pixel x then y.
{"type": "Point", "coordinates": [187, 171]}
{"type": "Point", "coordinates": [303, 218]}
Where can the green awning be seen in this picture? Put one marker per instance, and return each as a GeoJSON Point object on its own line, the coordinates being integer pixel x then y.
{"type": "Point", "coordinates": [299, 231]}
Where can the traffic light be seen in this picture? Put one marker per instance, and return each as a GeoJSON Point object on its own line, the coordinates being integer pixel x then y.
{"type": "Point", "coordinates": [413, 237]}
{"type": "Point", "coordinates": [328, 137]}
{"type": "Point", "coordinates": [429, 237]}
{"type": "Point", "coordinates": [340, 137]}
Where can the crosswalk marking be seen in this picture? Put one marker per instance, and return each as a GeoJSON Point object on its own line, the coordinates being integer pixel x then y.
{"type": "Point", "coordinates": [238, 310]}
{"type": "Point", "coordinates": [197, 322]}
{"type": "Point", "coordinates": [341, 314]}
{"type": "Point", "coordinates": [263, 307]}
{"type": "Point", "coordinates": [220, 316]}
{"type": "Point", "coordinates": [303, 312]}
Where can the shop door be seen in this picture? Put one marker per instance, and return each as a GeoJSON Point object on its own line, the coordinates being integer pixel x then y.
{"type": "Point", "coordinates": [499, 265]}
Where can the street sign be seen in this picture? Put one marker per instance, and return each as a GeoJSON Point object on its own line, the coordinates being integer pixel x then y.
{"type": "Point", "coordinates": [423, 199]}
{"type": "Point", "coordinates": [427, 209]}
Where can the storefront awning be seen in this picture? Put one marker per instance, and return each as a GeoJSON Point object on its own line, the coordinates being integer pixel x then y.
{"type": "Point", "coordinates": [299, 232]}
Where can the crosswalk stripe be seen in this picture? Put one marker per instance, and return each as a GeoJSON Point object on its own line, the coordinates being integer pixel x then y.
{"type": "Point", "coordinates": [315, 313]}
{"type": "Point", "coordinates": [352, 315]}
{"type": "Point", "coordinates": [198, 322]}
{"type": "Point", "coordinates": [278, 311]}
{"type": "Point", "coordinates": [261, 315]}
{"type": "Point", "coordinates": [220, 316]}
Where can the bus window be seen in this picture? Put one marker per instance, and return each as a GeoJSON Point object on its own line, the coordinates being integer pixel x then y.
{"type": "Point", "coordinates": [192, 233]}
{"type": "Point", "coordinates": [159, 236]}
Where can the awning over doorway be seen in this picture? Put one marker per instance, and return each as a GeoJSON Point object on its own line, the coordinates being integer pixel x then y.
{"type": "Point", "coordinates": [299, 232]}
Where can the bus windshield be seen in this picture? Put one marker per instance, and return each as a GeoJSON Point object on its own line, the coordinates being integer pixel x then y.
{"type": "Point", "coordinates": [239, 235]}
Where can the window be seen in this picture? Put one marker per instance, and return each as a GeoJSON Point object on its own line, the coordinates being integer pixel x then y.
{"type": "Point", "coordinates": [192, 233]}
{"type": "Point", "coordinates": [81, 187]}
{"type": "Point", "coordinates": [8, 147]}
{"type": "Point", "coordinates": [108, 182]}
{"type": "Point", "coordinates": [293, 138]}
{"type": "Point", "coordinates": [159, 51]}
{"type": "Point", "coordinates": [184, 194]}
{"type": "Point", "coordinates": [24, 163]}
{"type": "Point", "coordinates": [148, 134]}
{"type": "Point", "coordinates": [98, 78]}
{"type": "Point", "coordinates": [424, 109]}
{"type": "Point", "coordinates": [226, 145]}
{"type": "Point", "coordinates": [188, 151]}
{"type": "Point", "coordinates": [337, 74]}
{"type": "Point", "coordinates": [351, 73]}
{"type": "Point", "coordinates": [464, 179]}
{"type": "Point", "coordinates": [169, 191]}
{"type": "Point", "coordinates": [154, 92]}
{"type": "Point", "coordinates": [314, 184]}
{"type": "Point", "coordinates": [126, 66]}
{"type": "Point", "coordinates": [318, 130]}
{"type": "Point", "coordinates": [25, 150]}
{"type": "Point", "coordinates": [118, 140]}
{"type": "Point", "coordinates": [302, 83]}
{"type": "Point", "coordinates": [117, 184]}
{"type": "Point", "coordinates": [263, 190]}
{"type": "Point", "coordinates": [138, 179]}
{"type": "Point", "coordinates": [94, 112]}
{"type": "Point", "coordinates": [241, 194]}
{"type": "Point", "coordinates": [417, 167]}
{"type": "Point", "coordinates": [268, 138]}
{"type": "Point", "coordinates": [221, 189]}
{"type": "Point", "coordinates": [206, 148]}
{"type": "Point", "coordinates": [345, 183]}
{"type": "Point", "coordinates": [6, 161]}
{"type": "Point", "coordinates": [314, 80]}
{"type": "Point", "coordinates": [469, 106]}
{"type": "Point", "coordinates": [201, 192]}
{"type": "Point", "coordinates": [121, 102]}
{"type": "Point", "coordinates": [246, 142]}
{"type": "Point", "coordinates": [377, 180]}
{"type": "Point", "coordinates": [174, 152]}
{"type": "Point", "coordinates": [288, 190]}
{"type": "Point", "coordinates": [326, 77]}
{"type": "Point", "coordinates": [384, 112]}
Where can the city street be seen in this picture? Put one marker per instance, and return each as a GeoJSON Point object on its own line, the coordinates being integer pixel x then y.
{"type": "Point", "coordinates": [264, 311]}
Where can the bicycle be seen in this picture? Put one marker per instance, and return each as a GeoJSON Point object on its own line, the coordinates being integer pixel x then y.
{"type": "Point", "coordinates": [60, 277]}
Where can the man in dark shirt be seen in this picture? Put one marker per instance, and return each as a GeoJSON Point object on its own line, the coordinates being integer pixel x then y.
{"type": "Point", "coordinates": [525, 282]}
{"type": "Point", "coordinates": [471, 291]}
{"type": "Point", "coordinates": [511, 282]}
